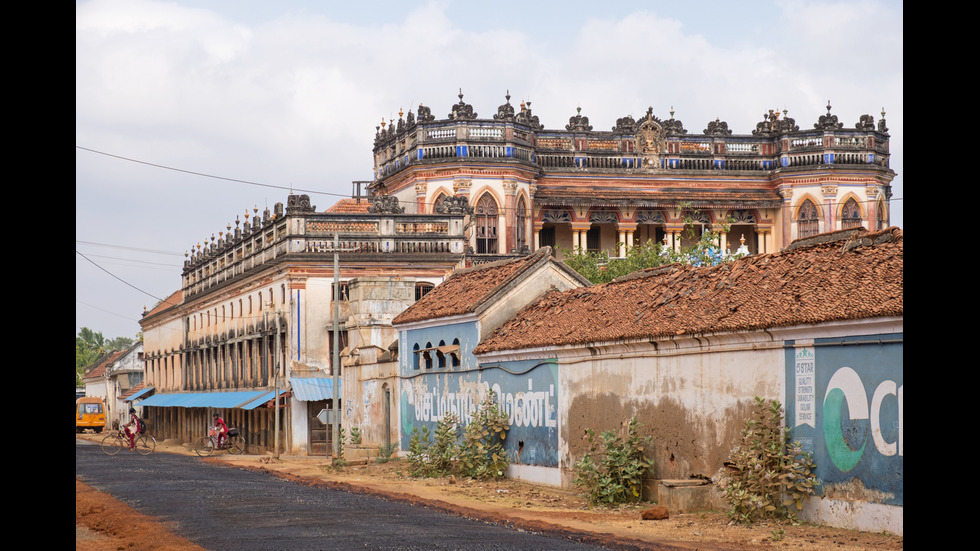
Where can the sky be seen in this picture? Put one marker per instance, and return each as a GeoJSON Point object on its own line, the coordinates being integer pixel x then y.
{"type": "Point", "coordinates": [188, 114]}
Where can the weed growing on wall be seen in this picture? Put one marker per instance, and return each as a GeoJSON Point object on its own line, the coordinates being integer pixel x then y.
{"type": "Point", "coordinates": [355, 435]}
{"type": "Point", "coordinates": [611, 471]}
{"type": "Point", "coordinates": [769, 476]}
{"type": "Point", "coordinates": [477, 452]}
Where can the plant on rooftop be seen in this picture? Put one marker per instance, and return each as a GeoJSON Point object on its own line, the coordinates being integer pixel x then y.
{"type": "Point", "coordinates": [611, 471]}
{"type": "Point", "coordinates": [770, 476]}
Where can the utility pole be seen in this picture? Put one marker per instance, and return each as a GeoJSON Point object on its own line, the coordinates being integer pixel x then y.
{"type": "Point", "coordinates": [335, 364]}
{"type": "Point", "coordinates": [275, 393]}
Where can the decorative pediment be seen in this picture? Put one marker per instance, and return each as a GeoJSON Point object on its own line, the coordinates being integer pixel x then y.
{"type": "Point", "coordinates": [625, 125]}
{"type": "Point", "coordinates": [462, 110]}
{"type": "Point", "coordinates": [828, 121]}
{"type": "Point", "coordinates": [456, 204]}
{"type": "Point", "coordinates": [525, 117]}
{"type": "Point", "coordinates": [506, 111]}
{"type": "Point", "coordinates": [578, 122]}
{"type": "Point", "coordinates": [425, 114]}
{"type": "Point", "coordinates": [772, 125]}
{"type": "Point", "coordinates": [717, 127]}
{"type": "Point", "coordinates": [299, 203]}
{"type": "Point", "coordinates": [386, 204]}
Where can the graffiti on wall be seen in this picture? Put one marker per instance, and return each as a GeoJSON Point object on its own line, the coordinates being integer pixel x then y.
{"type": "Point", "coordinates": [846, 405]}
{"type": "Point", "coordinates": [529, 400]}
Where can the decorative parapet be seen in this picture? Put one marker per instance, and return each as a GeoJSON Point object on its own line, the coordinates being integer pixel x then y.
{"type": "Point", "coordinates": [302, 234]}
{"type": "Point", "coordinates": [647, 144]}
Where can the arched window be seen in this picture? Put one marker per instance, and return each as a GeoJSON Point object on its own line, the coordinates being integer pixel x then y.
{"type": "Point", "coordinates": [486, 225]}
{"type": "Point", "coordinates": [415, 356]}
{"type": "Point", "coordinates": [455, 354]}
{"type": "Point", "coordinates": [427, 355]}
{"type": "Point", "coordinates": [520, 229]}
{"type": "Point", "coordinates": [808, 221]}
{"type": "Point", "coordinates": [440, 355]}
{"type": "Point", "coordinates": [850, 215]}
{"type": "Point", "coordinates": [880, 225]}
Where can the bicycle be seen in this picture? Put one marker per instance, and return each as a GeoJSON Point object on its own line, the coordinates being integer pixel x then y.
{"type": "Point", "coordinates": [234, 443]}
{"type": "Point", "coordinates": [114, 442]}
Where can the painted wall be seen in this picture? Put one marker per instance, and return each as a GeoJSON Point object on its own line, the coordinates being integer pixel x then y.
{"type": "Point", "coordinates": [845, 403]}
{"type": "Point", "coordinates": [526, 390]}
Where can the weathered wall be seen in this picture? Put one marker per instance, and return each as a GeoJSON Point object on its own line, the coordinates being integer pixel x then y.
{"type": "Point", "coordinates": [689, 395]}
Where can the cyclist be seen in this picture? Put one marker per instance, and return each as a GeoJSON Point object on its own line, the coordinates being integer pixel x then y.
{"type": "Point", "coordinates": [132, 428]}
{"type": "Point", "coordinates": [222, 429]}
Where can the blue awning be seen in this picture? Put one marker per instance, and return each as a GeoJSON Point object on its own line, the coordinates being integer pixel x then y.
{"type": "Point", "coordinates": [241, 399]}
{"type": "Point", "coordinates": [261, 400]}
{"type": "Point", "coordinates": [312, 389]}
{"type": "Point", "coordinates": [136, 395]}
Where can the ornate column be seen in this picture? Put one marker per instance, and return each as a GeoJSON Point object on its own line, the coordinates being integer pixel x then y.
{"type": "Point", "coordinates": [580, 231]}
{"type": "Point", "coordinates": [829, 207]}
{"type": "Point", "coordinates": [509, 215]}
{"type": "Point", "coordinates": [625, 231]}
{"type": "Point", "coordinates": [420, 191]}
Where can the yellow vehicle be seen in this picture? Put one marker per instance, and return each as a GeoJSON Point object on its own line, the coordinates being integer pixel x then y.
{"type": "Point", "coordinates": [89, 414]}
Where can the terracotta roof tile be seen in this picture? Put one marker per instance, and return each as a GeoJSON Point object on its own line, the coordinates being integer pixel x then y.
{"type": "Point", "coordinates": [467, 289]}
{"type": "Point", "coordinates": [175, 299]}
{"type": "Point", "coordinates": [98, 368]}
{"type": "Point", "coordinates": [839, 276]}
{"type": "Point", "coordinates": [349, 205]}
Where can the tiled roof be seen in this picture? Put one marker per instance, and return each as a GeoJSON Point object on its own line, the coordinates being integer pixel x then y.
{"type": "Point", "coordinates": [134, 390]}
{"type": "Point", "coordinates": [175, 299]}
{"type": "Point", "coordinates": [349, 205]}
{"type": "Point", "coordinates": [98, 368]}
{"type": "Point", "coordinates": [466, 290]}
{"type": "Point", "coordinates": [844, 275]}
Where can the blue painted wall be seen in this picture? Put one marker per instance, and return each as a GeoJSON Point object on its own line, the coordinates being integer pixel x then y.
{"type": "Point", "coordinates": [527, 391]}
{"type": "Point", "coordinates": [845, 403]}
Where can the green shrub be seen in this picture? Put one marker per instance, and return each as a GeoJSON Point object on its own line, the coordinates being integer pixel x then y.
{"type": "Point", "coordinates": [481, 452]}
{"type": "Point", "coordinates": [477, 452]}
{"type": "Point", "coordinates": [770, 476]}
{"type": "Point", "coordinates": [611, 471]}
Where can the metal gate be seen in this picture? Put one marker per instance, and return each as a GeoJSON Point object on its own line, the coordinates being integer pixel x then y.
{"type": "Point", "coordinates": [321, 435]}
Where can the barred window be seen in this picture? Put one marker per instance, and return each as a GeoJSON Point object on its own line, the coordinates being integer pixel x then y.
{"type": "Point", "coordinates": [851, 215]}
{"type": "Point", "coordinates": [808, 222]}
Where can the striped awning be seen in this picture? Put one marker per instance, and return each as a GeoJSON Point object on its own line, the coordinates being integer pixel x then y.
{"type": "Point", "coordinates": [312, 389]}
{"type": "Point", "coordinates": [249, 399]}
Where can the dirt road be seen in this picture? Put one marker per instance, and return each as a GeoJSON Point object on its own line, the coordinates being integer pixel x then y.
{"type": "Point", "coordinates": [101, 521]}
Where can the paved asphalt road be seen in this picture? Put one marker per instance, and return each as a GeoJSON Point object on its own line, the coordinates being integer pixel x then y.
{"type": "Point", "coordinates": [224, 508]}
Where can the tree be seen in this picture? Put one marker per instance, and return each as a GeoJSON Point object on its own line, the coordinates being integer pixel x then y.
{"type": "Point", "coordinates": [598, 267]}
{"type": "Point", "coordinates": [90, 346]}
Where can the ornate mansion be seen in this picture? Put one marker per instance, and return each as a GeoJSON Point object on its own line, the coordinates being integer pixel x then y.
{"type": "Point", "coordinates": [649, 179]}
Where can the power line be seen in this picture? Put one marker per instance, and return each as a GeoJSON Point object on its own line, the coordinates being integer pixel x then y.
{"type": "Point", "coordinates": [138, 249]}
{"type": "Point", "coordinates": [291, 189]}
{"type": "Point", "coordinates": [117, 277]}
